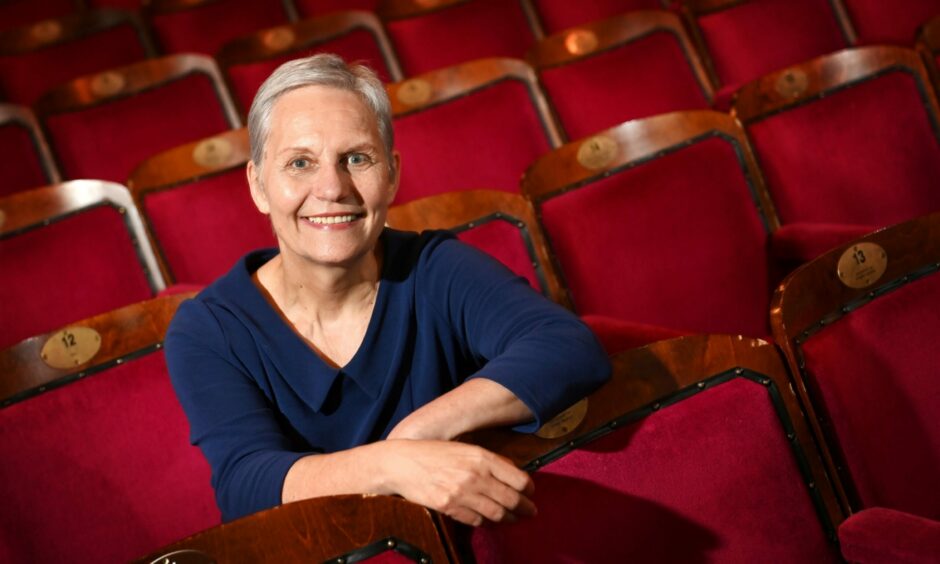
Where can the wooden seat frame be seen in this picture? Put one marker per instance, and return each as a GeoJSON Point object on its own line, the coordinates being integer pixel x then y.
{"type": "Point", "coordinates": [23, 116]}
{"type": "Point", "coordinates": [928, 45]}
{"type": "Point", "coordinates": [69, 28]}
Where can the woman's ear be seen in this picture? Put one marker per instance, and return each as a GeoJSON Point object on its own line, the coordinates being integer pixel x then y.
{"type": "Point", "coordinates": [257, 188]}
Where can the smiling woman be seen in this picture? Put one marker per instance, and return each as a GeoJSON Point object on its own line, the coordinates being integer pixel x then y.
{"type": "Point", "coordinates": [346, 360]}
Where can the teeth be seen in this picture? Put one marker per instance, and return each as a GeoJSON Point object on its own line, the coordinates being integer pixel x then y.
{"type": "Point", "coordinates": [332, 219]}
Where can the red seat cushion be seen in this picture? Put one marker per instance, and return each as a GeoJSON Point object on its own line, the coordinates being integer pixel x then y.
{"type": "Point", "coordinates": [101, 469]}
{"type": "Point", "coordinates": [753, 38]}
{"type": "Point", "coordinates": [205, 28]}
{"type": "Point", "coordinates": [107, 141]}
{"type": "Point", "coordinates": [875, 370]}
{"type": "Point", "coordinates": [711, 478]}
{"type": "Point", "coordinates": [504, 241]}
{"type": "Point", "coordinates": [556, 15]}
{"type": "Point", "coordinates": [483, 140]}
{"type": "Point", "coordinates": [879, 22]}
{"type": "Point", "coordinates": [74, 268]}
{"type": "Point", "coordinates": [675, 242]}
{"type": "Point", "coordinates": [881, 158]}
{"type": "Point", "coordinates": [22, 167]}
{"type": "Point", "coordinates": [356, 46]}
{"type": "Point", "coordinates": [204, 227]}
{"type": "Point", "coordinates": [312, 8]}
{"type": "Point", "coordinates": [652, 77]}
{"type": "Point", "coordinates": [457, 34]}
{"type": "Point", "coordinates": [25, 77]}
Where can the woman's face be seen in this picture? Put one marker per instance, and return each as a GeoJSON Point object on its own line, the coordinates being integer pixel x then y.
{"type": "Point", "coordinates": [325, 180]}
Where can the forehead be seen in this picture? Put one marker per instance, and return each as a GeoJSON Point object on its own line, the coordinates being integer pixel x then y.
{"type": "Point", "coordinates": [323, 114]}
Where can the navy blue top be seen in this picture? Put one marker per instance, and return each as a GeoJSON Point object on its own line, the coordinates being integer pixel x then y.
{"type": "Point", "coordinates": [258, 397]}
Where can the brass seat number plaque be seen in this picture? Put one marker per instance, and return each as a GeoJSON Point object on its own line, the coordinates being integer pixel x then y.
{"type": "Point", "coordinates": [862, 265]}
{"type": "Point", "coordinates": [71, 347]}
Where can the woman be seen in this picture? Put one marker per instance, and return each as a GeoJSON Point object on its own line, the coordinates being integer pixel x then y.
{"type": "Point", "coordinates": [346, 360]}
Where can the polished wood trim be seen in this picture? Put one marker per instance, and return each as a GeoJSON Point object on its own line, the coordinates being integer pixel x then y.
{"type": "Point", "coordinates": [647, 375]}
{"type": "Point", "coordinates": [615, 31]}
{"type": "Point", "coordinates": [179, 165]}
{"type": "Point", "coordinates": [46, 33]}
{"type": "Point", "coordinates": [125, 331]}
{"type": "Point", "coordinates": [264, 44]}
{"type": "Point", "coordinates": [40, 206]}
{"type": "Point", "coordinates": [460, 80]}
{"type": "Point", "coordinates": [928, 46]}
{"type": "Point", "coordinates": [640, 140]}
{"type": "Point", "coordinates": [23, 116]}
{"type": "Point", "coordinates": [84, 91]}
{"type": "Point", "coordinates": [453, 209]}
{"type": "Point", "coordinates": [762, 97]}
{"type": "Point", "coordinates": [813, 293]}
{"type": "Point", "coordinates": [317, 530]}
{"type": "Point", "coordinates": [401, 9]}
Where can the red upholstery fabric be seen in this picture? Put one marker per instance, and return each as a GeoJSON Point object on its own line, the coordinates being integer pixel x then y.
{"type": "Point", "coordinates": [484, 140]}
{"type": "Point", "coordinates": [617, 335]}
{"type": "Point", "coordinates": [709, 479]}
{"type": "Point", "coordinates": [107, 141]}
{"type": "Point", "coordinates": [751, 39]}
{"type": "Point", "coordinates": [556, 15]}
{"type": "Point", "coordinates": [885, 535]}
{"type": "Point", "coordinates": [878, 22]}
{"type": "Point", "coordinates": [675, 242]}
{"type": "Point", "coordinates": [101, 469]}
{"type": "Point", "coordinates": [21, 165]}
{"type": "Point", "coordinates": [72, 269]}
{"type": "Point", "coordinates": [205, 28]}
{"type": "Point", "coordinates": [461, 33]}
{"type": "Point", "coordinates": [23, 12]}
{"type": "Point", "coordinates": [876, 374]}
{"type": "Point", "coordinates": [653, 77]}
{"type": "Point", "coordinates": [503, 241]}
{"type": "Point", "coordinates": [358, 45]}
{"type": "Point", "coordinates": [25, 77]}
{"type": "Point", "coordinates": [204, 227]}
{"type": "Point", "coordinates": [881, 164]}
{"type": "Point", "coordinates": [312, 8]}
{"type": "Point", "coordinates": [802, 242]}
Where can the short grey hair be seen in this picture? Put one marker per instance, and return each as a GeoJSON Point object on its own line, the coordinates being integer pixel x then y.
{"type": "Point", "coordinates": [323, 69]}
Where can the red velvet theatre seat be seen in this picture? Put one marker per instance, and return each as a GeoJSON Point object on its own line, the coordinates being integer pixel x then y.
{"type": "Point", "coordinates": [629, 66]}
{"type": "Point", "coordinates": [198, 209]}
{"type": "Point", "coordinates": [662, 221]}
{"type": "Point", "coordinates": [97, 464]}
{"type": "Point", "coordinates": [70, 251]}
{"type": "Point", "coordinates": [880, 22]}
{"type": "Point", "coordinates": [847, 142]}
{"type": "Point", "coordinates": [749, 38]}
{"type": "Point", "coordinates": [24, 153]}
{"type": "Point", "coordinates": [356, 36]}
{"type": "Point", "coordinates": [202, 26]}
{"type": "Point", "coordinates": [499, 223]}
{"type": "Point", "coordinates": [101, 126]}
{"type": "Point", "coordinates": [695, 451]}
{"type": "Point", "coordinates": [859, 327]}
{"type": "Point", "coordinates": [476, 124]}
{"type": "Point", "coordinates": [39, 56]}
{"type": "Point", "coordinates": [375, 529]}
{"type": "Point", "coordinates": [433, 34]}
{"type": "Point", "coordinates": [557, 15]}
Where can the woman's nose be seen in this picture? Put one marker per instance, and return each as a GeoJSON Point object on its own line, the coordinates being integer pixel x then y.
{"type": "Point", "coordinates": [332, 183]}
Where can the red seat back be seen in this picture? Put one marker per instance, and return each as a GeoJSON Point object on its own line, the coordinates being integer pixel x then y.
{"type": "Point", "coordinates": [24, 153]}
{"type": "Point", "coordinates": [99, 467]}
{"type": "Point", "coordinates": [203, 26]}
{"type": "Point", "coordinates": [556, 15]}
{"type": "Point", "coordinates": [660, 221]}
{"type": "Point", "coordinates": [79, 249]}
{"type": "Point", "coordinates": [877, 22]}
{"type": "Point", "coordinates": [43, 55]}
{"type": "Point", "coordinates": [314, 8]}
{"type": "Point", "coordinates": [455, 31]}
{"type": "Point", "coordinates": [477, 124]}
{"type": "Point", "coordinates": [160, 104]}
{"type": "Point", "coordinates": [679, 458]}
{"type": "Point", "coordinates": [626, 67]}
{"type": "Point", "coordinates": [859, 326]}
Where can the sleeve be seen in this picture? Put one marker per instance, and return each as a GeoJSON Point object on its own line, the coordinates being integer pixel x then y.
{"type": "Point", "coordinates": [231, 419]}
{"type": "Point", "coordinates": [535, 348]}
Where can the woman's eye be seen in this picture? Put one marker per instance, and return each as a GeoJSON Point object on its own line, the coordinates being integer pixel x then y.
{"type": "Point", "coordinates": [357, 159]}
{"type": "Point", "coordinates": [299, 163]}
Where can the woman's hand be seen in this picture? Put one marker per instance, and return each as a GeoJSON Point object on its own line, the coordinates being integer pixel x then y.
{"type": "Point", "coordinates": [465, 482]}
